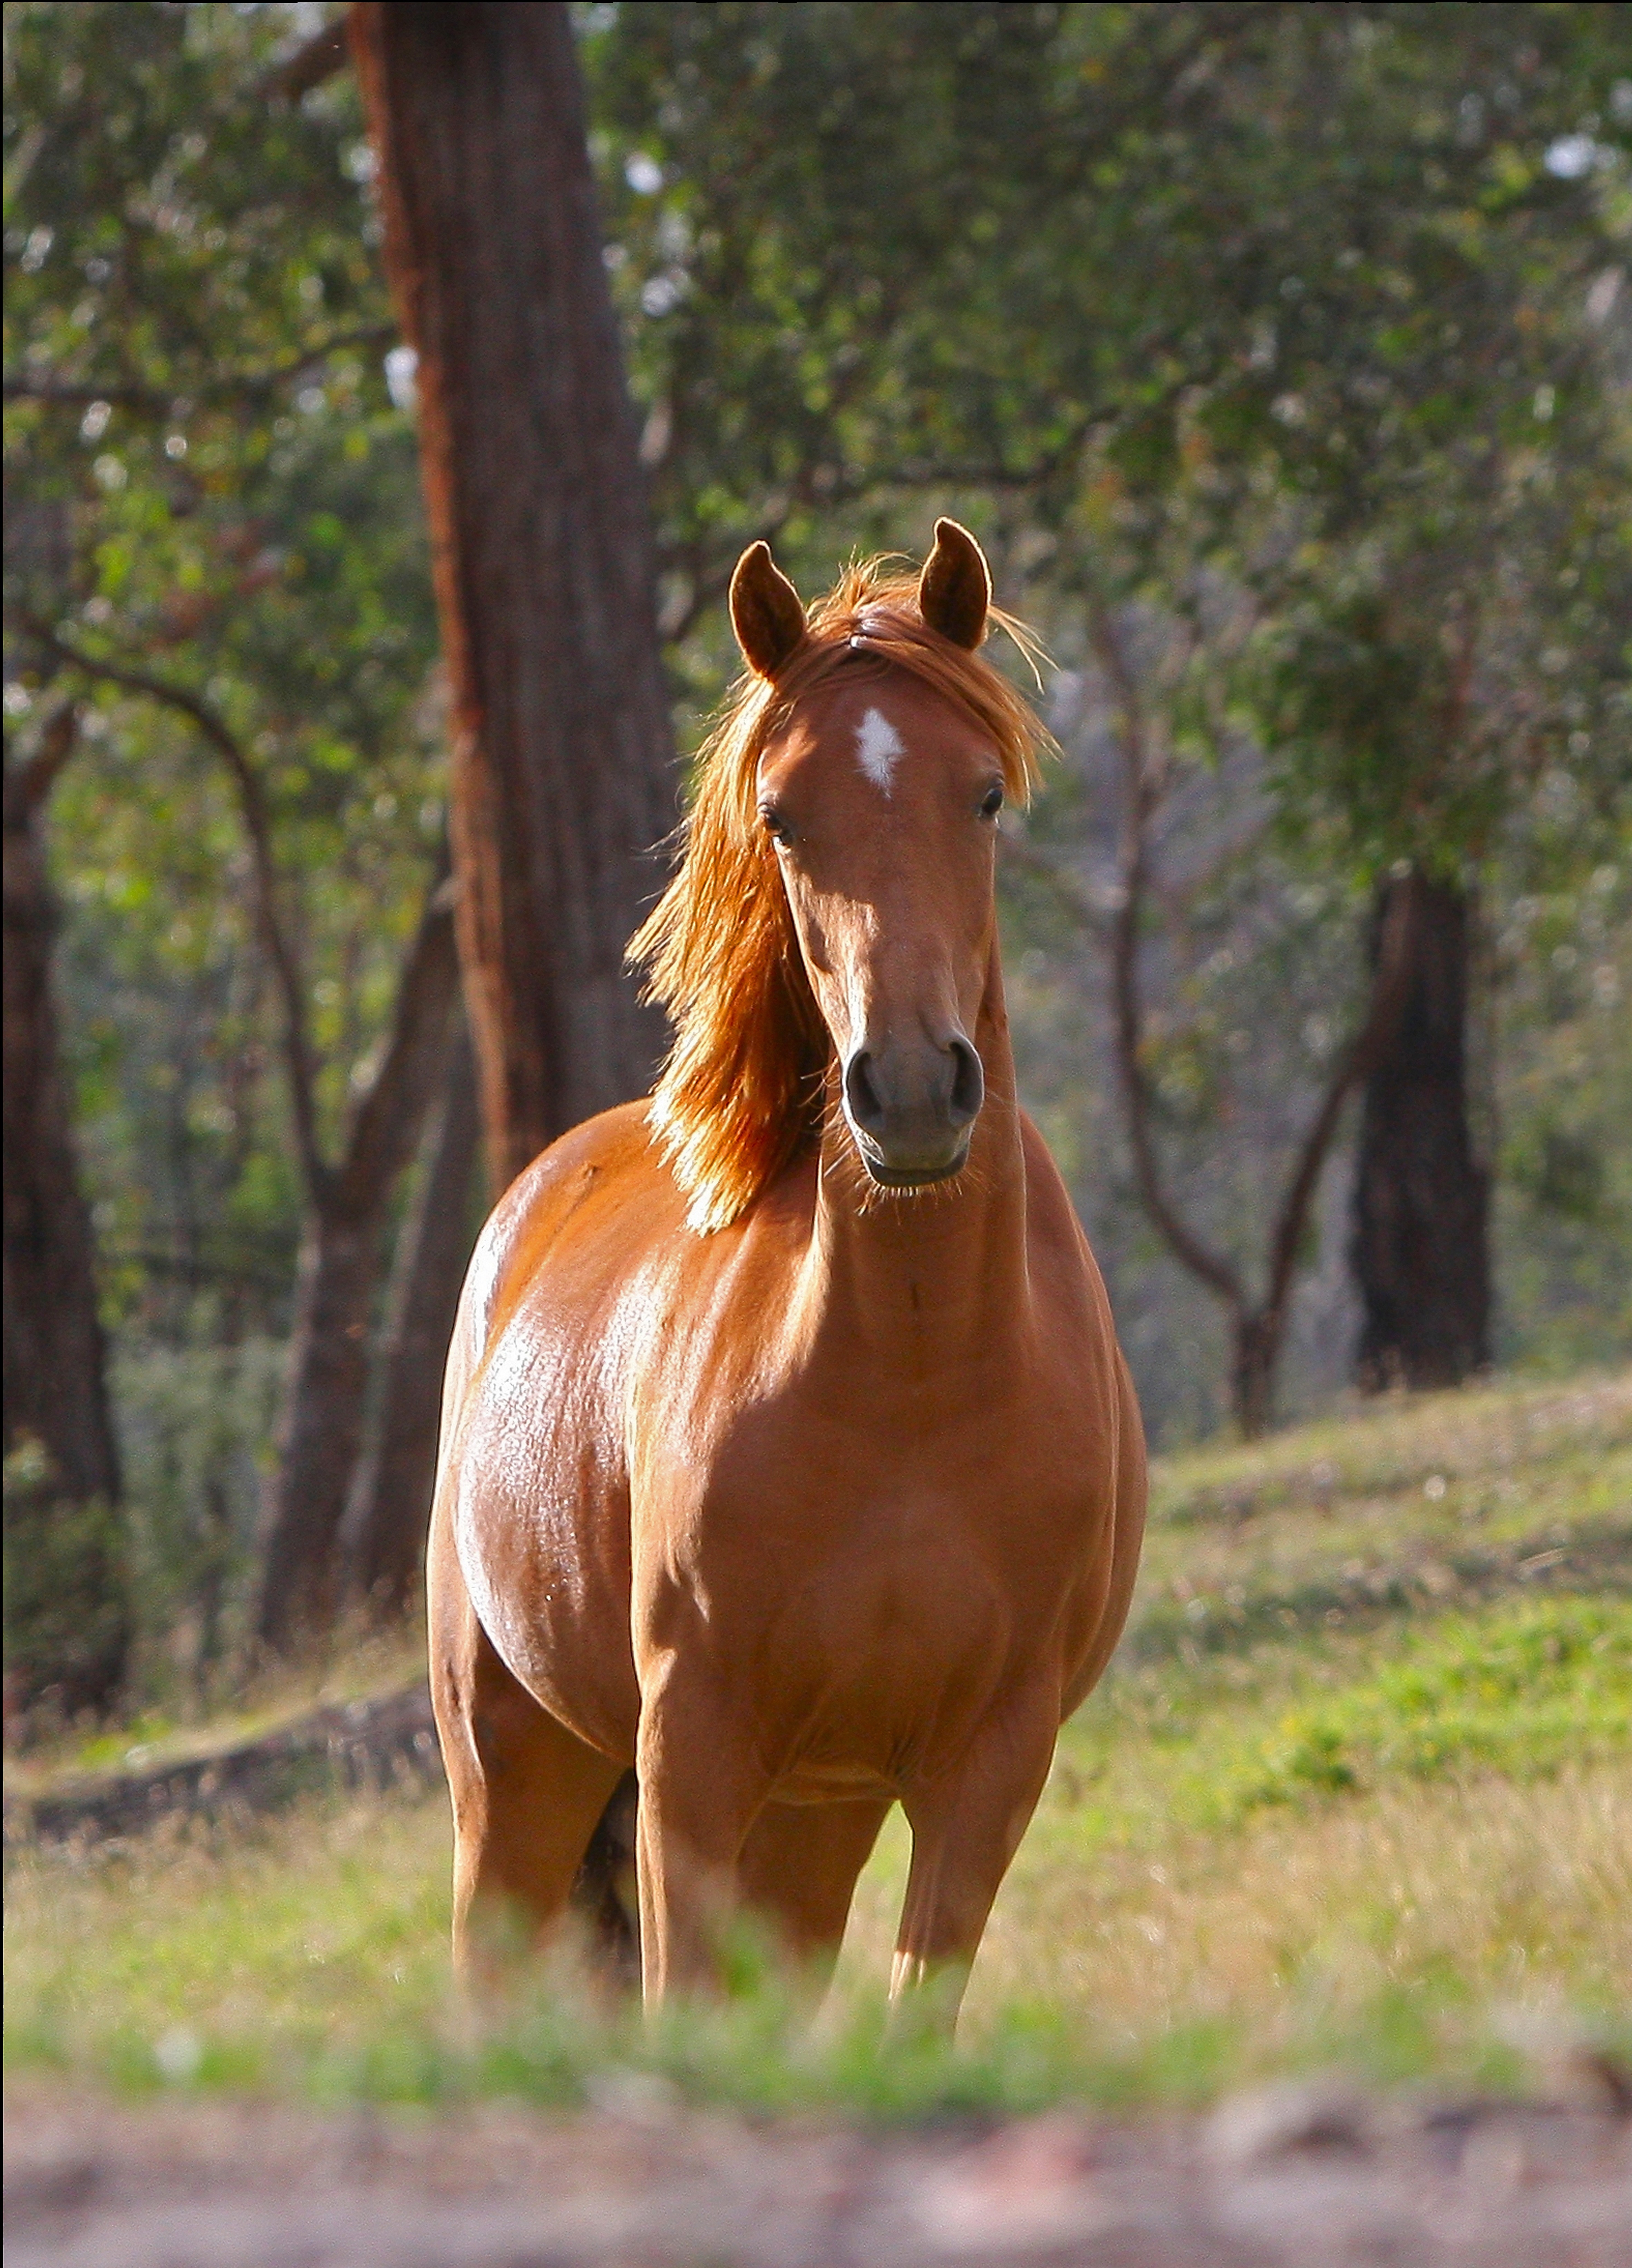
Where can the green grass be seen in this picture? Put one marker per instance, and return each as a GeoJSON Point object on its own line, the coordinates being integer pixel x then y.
{"type": "Point", "coordinates": [1357, 1790]}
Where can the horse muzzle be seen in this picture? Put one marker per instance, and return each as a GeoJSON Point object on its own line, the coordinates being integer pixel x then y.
{"type": "Point", "coordinates": [912, 1110]}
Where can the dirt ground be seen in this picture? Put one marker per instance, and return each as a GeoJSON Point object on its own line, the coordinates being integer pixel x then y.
{"type": "Point", "coordinates": [1297, 2176]}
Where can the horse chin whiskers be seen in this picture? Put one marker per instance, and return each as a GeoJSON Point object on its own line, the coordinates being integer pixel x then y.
{"type": "Point", "coordinates": [846, 1173]}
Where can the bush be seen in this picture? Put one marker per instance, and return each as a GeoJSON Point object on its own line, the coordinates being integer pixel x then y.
{"type": "Point", "coordinates": [66, 1626]}
{"type": "Point", "coordinates": [195, 1429]}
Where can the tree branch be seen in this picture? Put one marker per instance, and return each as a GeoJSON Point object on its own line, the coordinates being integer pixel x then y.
{"type": "Point", "coordinates": [1072, 895]}
{"type": "Point", "coordinates": [77, 396]}
{"type": "Point", "coordinates": [1389, 987]}
{"type": "Point", "coordinates": [1140, 799]}
{"type": "Point", "coordinates": [28, 783]}
{"type": "Point", "coordinates": [275, 943]}
{"type": "Point", "coordinates": [155, 401]}
{"type": "Point", "coordinates": [313, 61]}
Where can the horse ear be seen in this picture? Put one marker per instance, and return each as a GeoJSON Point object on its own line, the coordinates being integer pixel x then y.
{"type": "Point", "coordinates": [955, 588]}
{"type": "Point", "coordinates": [765, 611]}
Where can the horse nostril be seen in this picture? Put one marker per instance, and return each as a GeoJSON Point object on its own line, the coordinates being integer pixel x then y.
{"type": "Point", "coordinates": [968, 1087]}
{"type": "Point", "coordinates": [860, 1093]}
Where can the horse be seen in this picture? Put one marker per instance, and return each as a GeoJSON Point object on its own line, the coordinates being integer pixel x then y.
{"type": "Point", "coordinates": [789, 1456]}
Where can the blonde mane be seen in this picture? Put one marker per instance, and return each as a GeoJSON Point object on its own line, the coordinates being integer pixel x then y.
{"type": "Point", "coordinates": [741, 1090]}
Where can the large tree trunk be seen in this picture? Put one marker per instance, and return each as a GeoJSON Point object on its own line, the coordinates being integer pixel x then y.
{"type": "Point", "coordinates": [389, 1510]}
{"type": "Point", "coordinates": [67, 1623]}
{"type": "Point", "coordinates": [562, 754]}
{"type": "Point", "coordinates": [321, 1436]}
{"type": "Point", "coordinates": [1420, 1248]}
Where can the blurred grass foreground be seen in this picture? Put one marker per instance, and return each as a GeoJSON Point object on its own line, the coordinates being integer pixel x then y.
{"type": "Point", "coordinates": [1356, 1792]}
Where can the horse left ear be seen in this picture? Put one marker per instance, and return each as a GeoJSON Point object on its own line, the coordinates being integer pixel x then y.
{"type": "Point", "coordinates": [765, 612]}
{"type": "Point", "coordinates": [955, 588]}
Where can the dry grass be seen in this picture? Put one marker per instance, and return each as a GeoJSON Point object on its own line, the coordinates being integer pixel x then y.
{"type": "Point", "coordinates": [1358, 1789]}
{"type": "Point", "coordinates": [1483, 1892]}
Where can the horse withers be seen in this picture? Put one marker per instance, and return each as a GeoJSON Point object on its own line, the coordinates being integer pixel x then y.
{"type": "Point", "coordinates": [789, 1456]}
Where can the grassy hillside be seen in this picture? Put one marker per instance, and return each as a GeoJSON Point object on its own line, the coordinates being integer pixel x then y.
{"type": "Point", "coordinates": [1357, 1790]}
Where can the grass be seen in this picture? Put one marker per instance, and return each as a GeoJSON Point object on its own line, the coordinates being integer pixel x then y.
{"type": "Point", "coordinates": [1357, 1790]}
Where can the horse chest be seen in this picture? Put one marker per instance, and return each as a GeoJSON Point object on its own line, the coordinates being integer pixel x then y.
{"type": "Point", "coordinates": [866, 1600]}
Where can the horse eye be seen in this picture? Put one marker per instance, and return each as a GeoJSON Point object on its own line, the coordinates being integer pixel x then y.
{"type": "Point", "coordinates": [991, 803]}
{"type": "Point", "coordinates": [775, 826]}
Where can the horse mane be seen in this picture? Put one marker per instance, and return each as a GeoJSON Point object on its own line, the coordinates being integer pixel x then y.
{"type": "Point", "coordinates": [741, 1090]}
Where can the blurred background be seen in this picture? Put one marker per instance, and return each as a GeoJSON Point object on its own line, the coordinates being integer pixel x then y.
{"type": "Point", "coordinates": [1280, 357]}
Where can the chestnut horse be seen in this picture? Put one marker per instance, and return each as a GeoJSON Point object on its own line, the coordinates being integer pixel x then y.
{"type": "Point", "coordinates": [789, 1455]}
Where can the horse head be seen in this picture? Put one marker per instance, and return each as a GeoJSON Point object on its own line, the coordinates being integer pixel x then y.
{"type": "Point", "coordinates": [881, 796]}
{"type": "Point", "coordinates": [831, 931]}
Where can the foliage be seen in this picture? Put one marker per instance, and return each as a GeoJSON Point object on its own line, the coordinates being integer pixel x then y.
{"type": "Point", "coordinates": [1302, 332]}
{"type": "Point", "coordinates": [194, 1423]}
{"type": "Point", "coordinates": [210, 483]}
{"type": "Point", "coordinates": [1195, 240]}
{"type": "Point", "coordinates": [62, 1616]}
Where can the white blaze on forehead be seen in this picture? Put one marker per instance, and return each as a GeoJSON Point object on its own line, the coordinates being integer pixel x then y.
{"type": "Point", "coordinates": [879, 745]}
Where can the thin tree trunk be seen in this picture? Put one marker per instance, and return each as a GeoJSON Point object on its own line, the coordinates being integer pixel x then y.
{"type": "Point", "coordinates": [67, 1620]}
{"type": "Point", "coordinates": [561, 774]}
{"type": "Point", "coordinates": [1256, 1354]}
{"type": "Point", "coordinates": [321, 1433]}
{"type": "Point", "coordinates": [1257, 1327]}
{"type": "Point", "coordinates": [322, 1429]}
{"type": "Point", "coordinates": [389, 1510]}
{"type": "Point", "coordinates": [1422, 1201]}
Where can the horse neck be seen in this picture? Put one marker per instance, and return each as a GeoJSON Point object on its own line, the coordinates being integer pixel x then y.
{"type": "Point", "coordinates": [937, 1272]}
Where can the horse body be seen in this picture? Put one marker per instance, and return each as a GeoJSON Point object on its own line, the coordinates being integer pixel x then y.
{"type": "Point", "coordinates": [837, 1504]}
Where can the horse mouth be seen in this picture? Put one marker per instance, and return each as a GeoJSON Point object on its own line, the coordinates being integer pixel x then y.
{"type": "Point", "coordinates": [912, 1177]}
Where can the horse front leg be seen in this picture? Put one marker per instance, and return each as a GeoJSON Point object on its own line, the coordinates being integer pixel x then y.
{"type": "Point", "coordinates": [966, 1826]}
{"type": "Point", "coordinates": [798, 1870]}
{"type": "Point", "coordinates": [528, 1794]}
{"type": "Point", "coordinates": [700, 1792]}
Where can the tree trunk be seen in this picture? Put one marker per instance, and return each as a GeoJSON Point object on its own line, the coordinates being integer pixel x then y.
{"type": "Point", "coordinates": [1256, 1353]}
{"type": "Point", "coordinates": [1421, 1250]}
{"type": "Point", "coordinates": [389, 1510]}
{"type": "Point", "coordinates": [561, 774]}
{"type": "Point", "coordinates": [66, 1618]}
{"type": "Point", "coordinates": [321, 1436]}
{"type": "Point", "coordinates": [321, 1430]}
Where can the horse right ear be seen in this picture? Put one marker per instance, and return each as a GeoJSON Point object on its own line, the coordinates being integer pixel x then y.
{"type": "Point", "coordinates": [765, 612]}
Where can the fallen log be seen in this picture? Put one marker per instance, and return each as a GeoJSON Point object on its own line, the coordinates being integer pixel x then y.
{"type": "Point", "coordinates": [389, 1742]}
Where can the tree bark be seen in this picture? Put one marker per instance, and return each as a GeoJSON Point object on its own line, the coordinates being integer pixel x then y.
{"type": "Point", "coordinates": [389, 1509]}
{"type": "Point", "coordinates": [562, 770]}
{"type": "Point", "coordinates": [321, 1434]}
{"type": "Point", "coordinates": [1420, 1246]}
{"type": "Point", "coordinates": [67, 1619]}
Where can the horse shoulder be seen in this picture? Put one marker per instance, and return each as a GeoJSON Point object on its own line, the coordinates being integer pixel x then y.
{"type": "Point", "coordinates": [605, 1178]}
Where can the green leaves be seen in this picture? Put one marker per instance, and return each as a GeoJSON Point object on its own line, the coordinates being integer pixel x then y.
{"type": "Point", "coordinates": [214, 486]}
{"type": "Point", "coordinates": [1298, 279]}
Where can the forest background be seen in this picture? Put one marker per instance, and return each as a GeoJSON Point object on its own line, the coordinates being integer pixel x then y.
{"type": "Point", "coordinates": [1280, 357]}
